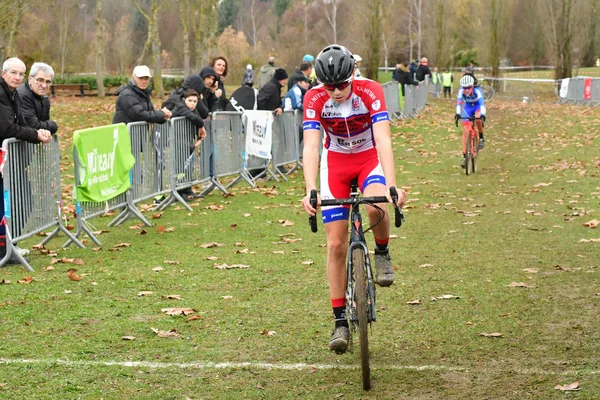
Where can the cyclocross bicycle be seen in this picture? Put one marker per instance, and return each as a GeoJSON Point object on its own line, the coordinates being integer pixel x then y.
{"type": "Point", "coordinates": [360, 291]}
{"type": "Point", "coordinates": [472, 140]}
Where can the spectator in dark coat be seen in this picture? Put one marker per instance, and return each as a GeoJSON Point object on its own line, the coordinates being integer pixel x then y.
{"type": "Point", "coordinates": [134, 104]}
{"type": "Point", "coordinates": [35, 103]}
{"type": "Point", "coordinates": [12, 125]}
{"type": "Point", "coordinates": [304, 72]}
{"type": "Point", "coordinates": [248, 79]}
{"type": "Point", "coordinates": [194, 82]}
{"type": "Point", "coordinates": [209, 78]}
{"type": "Point", "coordinates": [188, 107]}
{"type": "Point", "coordinates": [403, 76]}
{"type": "Point", "coordinates": [423, 70]}
{"type": "Point", "coordinates": [269, 97]}
{"type": "Point", "coordinates": [221, 67]}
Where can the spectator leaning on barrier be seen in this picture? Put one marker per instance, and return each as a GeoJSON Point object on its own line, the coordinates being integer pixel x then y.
{"type": "Point", "coordinates": [403, 76]}
{"type": "Point", "coordinates": [134, 103]}
{"type": "Point", "coordinates": [12, 125]}
{"type": "Point", "coordinates": [266, 72]}
{"type": "Point", "coordinates": [194, 82]}
{"type": "Point", "coordinates": [423, 70]}
{"type": "Point", "coordinates": [221, 67]}
{"type": "Point", "coordinates": [304, 72]}
{"type": "Point", "coordinates": [269, 97]}
{"type": "Point", "coordinates": [447, 80]}
{"type": "Point", "coordinates": [248, 79]}
{"type": "Point", "coordinates": [297, 92]}
{"type": "Point", "coordinates": [188, 107]}
{"type": "Point", "coordinates": [35, 103]}
{"type": "Point", "coordinates": [209, 78]}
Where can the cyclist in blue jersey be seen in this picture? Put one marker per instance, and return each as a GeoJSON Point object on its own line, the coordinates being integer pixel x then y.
{"type": "Point", "coordinates": [469, 103]}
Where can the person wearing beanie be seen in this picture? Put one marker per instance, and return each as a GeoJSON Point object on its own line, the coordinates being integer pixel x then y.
{"type": "Point", "coordinates": [269, 97]}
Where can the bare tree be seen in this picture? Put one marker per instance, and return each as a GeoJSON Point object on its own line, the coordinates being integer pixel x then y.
{"type": "Point", "coordinates": [99, 49]}
{"type": "Point", "coordinates": [374, 34]}
{"type": "Point", "coordinates": [331, 8]}
{"type": "Point", "coordinates": [11, 15]}
{"type": "Point", "coordinates": [153, 42]}
{"type": "Point", "coordinates": [121, 43]}
{"type": "Point", "coordinates": [184, 17]}
{"type": "Point", "coordinates": [253, 35]}
{"type": "Point", "coordinates": [557, 13]}
{"type": "Point", "coordinates": [205, 27]}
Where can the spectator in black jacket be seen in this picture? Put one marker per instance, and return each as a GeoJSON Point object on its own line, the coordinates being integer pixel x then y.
{"type": "Point", "coordinates": [269, 97]}
{"type": "Point", "coordinates": [403, 76]}
{"type": "Point", "coordinates": [194, 82]}
{"type": "Point", "coordinates": [304, 72]}
{"type": "Point", "coordinates": [209, 78]}
{"type": "Point", "coordinates": [35, 103]}
{"type": "Point", "coordinates": [12, 125]}
{"type": "Point", "coordinates": [221, 67]}
{"type": "Point", "coordinates": [188, 107]}
{"type": "Point", "coordinates": [423, 70]}
{"type": "Point", "coordinates": [134, 104]}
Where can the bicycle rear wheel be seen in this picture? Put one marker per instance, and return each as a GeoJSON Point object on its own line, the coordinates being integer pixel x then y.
{"type": "Point", "coordinates": [488, 92]}
{"type": "Point", "coordinates": [360, 280]}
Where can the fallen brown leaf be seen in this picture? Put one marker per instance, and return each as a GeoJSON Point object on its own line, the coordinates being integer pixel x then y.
{"type": "Point", "coordinates": [178, 311]}
{"type": "Point", "coordinates": [414, 302]}
{"type": "Point", "coordinates": [72, 275]}
{"type": "Point", "coordinates": [27, 279]}
{"type": "Point", "coordinates": [211, 245]}
{"type": "Point", "coordinates": [166, 334]}
{"type": "Point", "coordinates": [146, 293]}
{"type": "Point", "coordinates": [194, 318]}
{"type": "Point", "coordinates": [128, 338]}
{"type": "Point", "coordinates": [492, 335]}
{"type": "Point", "coordinates": [592, 224]}
{"type": "Point", "coordinates": [571, 387]}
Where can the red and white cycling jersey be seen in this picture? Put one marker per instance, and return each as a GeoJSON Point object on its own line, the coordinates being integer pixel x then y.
{"type": "Point", "coordinates": [348, 126]}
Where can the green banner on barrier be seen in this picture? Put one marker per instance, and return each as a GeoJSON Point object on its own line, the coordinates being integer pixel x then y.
{"type": "Point", "coordinates": [105, 159]}
{"type": "Point", "coordinates": [400, 97]}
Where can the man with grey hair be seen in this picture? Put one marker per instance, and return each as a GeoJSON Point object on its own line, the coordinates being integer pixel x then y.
{"type": "Point", "coordinates": [34, 97]}
{"type": "Point", "coordinates": [12, 124]}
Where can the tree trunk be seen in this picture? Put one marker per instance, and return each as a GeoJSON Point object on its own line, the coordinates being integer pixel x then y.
{"type": "Point", "coordinates": [153, 42]}
{"type": "Point", "coordinates": [374, 39]}
{"type": "Point", "coordinates": [184, 16]}
{"type": "Point", "coordinates": [14, 25]}
{"type": "Point", "coordinates": [410, 30]}
{"type": "Point", "coordinates": [494, 47]}
{"type": "Point", "coordinates": [99, 49]}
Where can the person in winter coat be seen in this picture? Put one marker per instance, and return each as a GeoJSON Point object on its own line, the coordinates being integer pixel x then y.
{"type": "Point", "coordinates": [266, 72]}
{"type": "Point", "coordinates": [209, 78]}
{"type": "Point", "coordinates": [297, 92]}
{"type": "Point", "coordinates": [133, 101]}
{"type": "Point", "coordinates": [194, 82]}
{"type": "Point", "coordinates": [221, 67]}
{"type": "Point", "coordinates": [35, 102]}
{"type": "Point", "coordinates": [403, 76]}
{"type": "Point", "coordinates": [12, 125]}
{"type": "Point", "coordinates": [423, 70]}
{"type": "Point", "coordinates": [188, 107]}
{"type": "Point", "coordinates": [269, 97]}
{"type": "Point", "coordinates": [248, 79]}
{"type": "Point", "coordinates": [305, 71]}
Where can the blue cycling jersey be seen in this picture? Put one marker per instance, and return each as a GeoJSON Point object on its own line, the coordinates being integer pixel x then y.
{"type": "Point", "coordinates": [470, 103]}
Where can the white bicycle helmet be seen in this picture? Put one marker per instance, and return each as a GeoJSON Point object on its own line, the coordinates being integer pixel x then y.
{"type": "Point", "coordinates": [467, 81]}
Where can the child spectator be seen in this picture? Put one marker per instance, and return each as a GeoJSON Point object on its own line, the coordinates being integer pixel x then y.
{"type": "Point", "coordinates": [188, 108]}
{"type": "Point", "coordinates": [248, 79]}
{"type": "Point", "coordinates": [296, 93]}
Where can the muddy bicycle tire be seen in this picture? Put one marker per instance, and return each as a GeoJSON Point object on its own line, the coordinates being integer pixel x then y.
{"type": "Point", "coordinates": [360, 280]}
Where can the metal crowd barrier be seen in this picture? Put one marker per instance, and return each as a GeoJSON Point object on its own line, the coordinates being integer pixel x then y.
{"type": "Point", "coordinates": [391, 92]}
{"type": "Point", "coordinates": [582, 91]}
{"type": "Point", "coordinates": [184, 161]}
{"type": "Point", "coordinates": [32, 194]}
{"type": "Point", "coordinates": [286, 141]}
{"type": "Point", "coordinates": [227, 141]}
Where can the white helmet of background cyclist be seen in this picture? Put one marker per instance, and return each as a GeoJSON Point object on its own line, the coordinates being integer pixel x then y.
{"type": "Point", "coordinates": [467, 81]}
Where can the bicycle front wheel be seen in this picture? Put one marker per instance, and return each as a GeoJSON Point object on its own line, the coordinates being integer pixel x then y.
{"type": "Point", "coordinates": [475, 153]}
{"type": "Point", "coordinates": [360, 279]}
{"type": "Point", "coordinates": [468, 157]}
{"type": "Point", "coordinates": [488, 92]}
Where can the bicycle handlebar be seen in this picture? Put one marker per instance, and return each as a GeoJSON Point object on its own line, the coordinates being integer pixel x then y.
{"type": "Point", "coordinates": [482, 118]}
{"type": "Point", "coordinates": [399, 216]}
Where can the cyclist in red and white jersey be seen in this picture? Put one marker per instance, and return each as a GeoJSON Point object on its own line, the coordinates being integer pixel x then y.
{"type": "Point", "coordinates": [357, 145]}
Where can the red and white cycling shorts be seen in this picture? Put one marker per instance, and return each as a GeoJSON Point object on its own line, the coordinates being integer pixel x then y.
{"type": "Point", "coordinates": [338, 170]}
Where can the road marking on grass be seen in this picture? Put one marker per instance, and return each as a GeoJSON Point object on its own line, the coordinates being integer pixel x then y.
{"type": "Point", "coordinates": [282, 366]}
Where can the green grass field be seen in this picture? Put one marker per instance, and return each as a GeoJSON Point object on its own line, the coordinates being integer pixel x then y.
{"type": "Point", "coordinates": [509, 242]}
